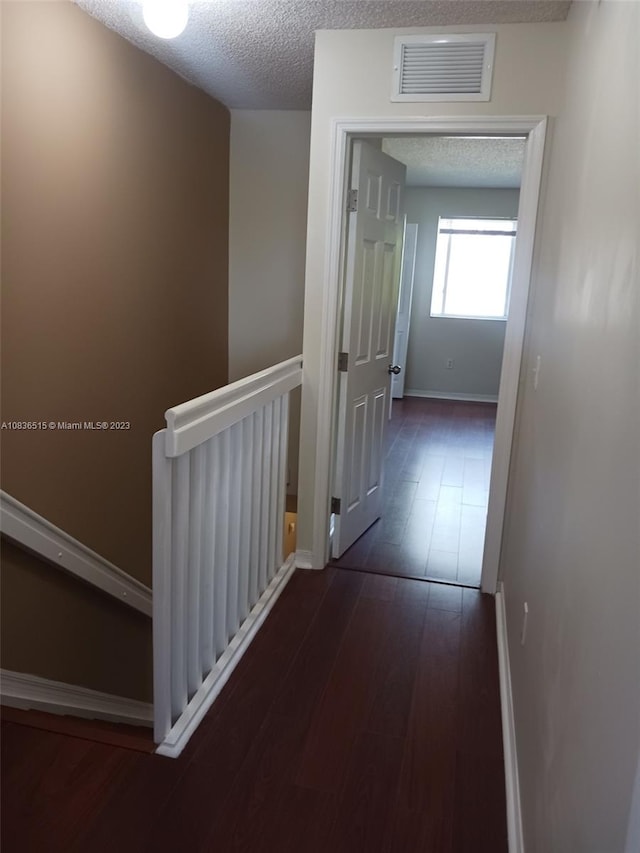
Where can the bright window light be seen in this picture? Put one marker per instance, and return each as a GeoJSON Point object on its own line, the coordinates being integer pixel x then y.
{"type": "Point", "coordinates": [165, 18]}
{"type": "Point", "coordinates": [472, 272]}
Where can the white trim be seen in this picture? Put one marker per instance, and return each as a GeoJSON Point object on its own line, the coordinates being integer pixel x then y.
{"type": "Point", "coordinates": [327, 379]}
{"type": "Point", "coordinates": [192, 716]}
{"type": "Point", "coordinates": [341, 131]}
{"type": "Point", "coordinates": [304, 560]}
{"type": "Point", "coordinates": [452, 395]}
{"type": "Point", "coordinates": [35, 533]}
{"type": "Point", "coordinates": [21, 690]}
{"type": "Point", "coordinates": [198, 420]}
{"type": "Point", "coordinates": [512, 354]}
{"type": "Point", "coordinates": [512, 784]}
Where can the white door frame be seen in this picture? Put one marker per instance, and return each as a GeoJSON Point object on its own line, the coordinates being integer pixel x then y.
{"type": "Point", "coordinates": [343, 129]}
{"type": "Point", "coordinates": [407, 279]}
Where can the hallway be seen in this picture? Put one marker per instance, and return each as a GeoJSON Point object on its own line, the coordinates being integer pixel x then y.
{"type": "Point", "coordinates": [364, 717]}
{"type": "Point", "coordinates": [437, 471]}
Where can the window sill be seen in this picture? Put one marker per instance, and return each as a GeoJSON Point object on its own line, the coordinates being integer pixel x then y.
{"type": "Point", "coordinates": [466, 317]}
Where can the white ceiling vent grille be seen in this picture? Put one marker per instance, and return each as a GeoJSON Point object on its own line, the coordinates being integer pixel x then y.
{"type": "Point", "coordinates": [443, 67]}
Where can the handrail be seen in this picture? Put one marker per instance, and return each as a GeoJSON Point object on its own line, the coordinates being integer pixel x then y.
{"type": "Point", "coordinates": [219, 496]}
{"type": "Point", "coordinates": [190, 424]}
{"type": "Point", "coordinates": [32, 531]}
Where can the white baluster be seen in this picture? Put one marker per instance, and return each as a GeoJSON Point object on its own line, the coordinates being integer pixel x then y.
{"type": "Point", "coordinates": [244, 557]}
{"type": "Point", "coordinates": [180, 557]}
{"type": "Point", "coordinates": [274, 477]}
{"type": "Point", "coordinates": [207, 650]}
{"type": "Point", "coordinates": [256, 503]}
{"type": "Point", "coordinates": [221, 633]}
{"type": "Point", "coordinates": [265, 498]}
{"type": "Point", "coordinates": [282, 479]}
{"type": "Point", "coordinates": [235, 485]}
{"type": "Point", "coordinates": [196, 507]}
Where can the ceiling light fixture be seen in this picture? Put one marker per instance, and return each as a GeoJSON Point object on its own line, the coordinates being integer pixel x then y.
{"type": "Point", "coordinates": [165, 18]}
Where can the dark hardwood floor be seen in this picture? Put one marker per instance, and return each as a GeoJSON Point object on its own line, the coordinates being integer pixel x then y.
{"type": "Point", "coordinates": [99, 731]}
{"type": "Point", "coordinates": [437, 469]}
{"type": "Point", "coordinates": [364, 717]}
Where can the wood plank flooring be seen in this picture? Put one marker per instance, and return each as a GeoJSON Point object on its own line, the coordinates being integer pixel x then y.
{"type": "Point", "coordinates": [437, 470]}
{"type": "Point", "coordinates": [364, 717]}
{"type": "Point", "coordinates": [99, 731]}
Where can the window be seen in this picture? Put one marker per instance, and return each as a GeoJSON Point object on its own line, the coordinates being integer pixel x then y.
{"type": "Point", "coordinates": [472, 272]}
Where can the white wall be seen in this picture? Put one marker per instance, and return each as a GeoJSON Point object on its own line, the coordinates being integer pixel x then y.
{"type": "Point", "coordinates": [269, 174]}
{"type": "Point", "coordinates": [572, 537]}
{"type": "Point", "coordinates": [269, 177]}
{"type": "Point", "coordinates": [352, 77]}
{"type": "Point", "coordinates": [475, 345]}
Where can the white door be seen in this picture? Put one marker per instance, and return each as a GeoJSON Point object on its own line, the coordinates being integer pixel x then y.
{"type": "Point", "coordinates": [403, 317]}
{"type": "Point", "coordinates": [372, 273]}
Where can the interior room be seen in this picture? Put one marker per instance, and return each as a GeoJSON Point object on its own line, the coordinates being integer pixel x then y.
{"type": "Point", "coordinates": [440, 436]}
{"type": "Point", "coordinates": [173, 205]}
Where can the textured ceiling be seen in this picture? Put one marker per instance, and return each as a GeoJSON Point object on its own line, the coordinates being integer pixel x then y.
{"type": "Point", "coordinates": [258, 54]}
{"type": "Point", "coordinates": [449, 161]}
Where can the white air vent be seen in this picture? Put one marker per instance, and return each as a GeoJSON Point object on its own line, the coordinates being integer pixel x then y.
{"type": "Point", "coordinates": [443, 67]}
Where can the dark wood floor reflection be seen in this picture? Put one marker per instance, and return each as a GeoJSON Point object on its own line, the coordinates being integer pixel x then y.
{"type": "Point", "coordinates": [437, 470]}
{"type": "Point", "coordinates": [364, 717]}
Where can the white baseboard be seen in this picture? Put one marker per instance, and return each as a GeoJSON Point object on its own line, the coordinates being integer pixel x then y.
{"type": "Point", "coordinates": [31, 692]}
{"type": "Point", "coordinates": [203, 699]}
{"type": "Point", "coordinates": [512, 784]}
{"type": "Point", "coordinates": [36, 534]}
{"type": "Point", "coordinates": [452, 395]}
{"type": "Point", "coordinates": [304, 559]}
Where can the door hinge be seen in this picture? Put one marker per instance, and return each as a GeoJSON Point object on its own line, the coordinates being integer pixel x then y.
{"type": "Point", "coordinates": [335, 506]}
{"type": "Point", "coordinates": [343, 362]}
{"type": "Point", "coordinates": [352, 201]}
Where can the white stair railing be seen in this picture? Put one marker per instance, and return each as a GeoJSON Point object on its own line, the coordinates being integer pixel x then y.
{"type": "Point", "coordinates": [219, 488]}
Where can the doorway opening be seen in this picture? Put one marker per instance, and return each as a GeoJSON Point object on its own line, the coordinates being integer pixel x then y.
{"type": "Point", "coordinates": [345, 130]}
{"type": "Point", "coordinates": [436, 484]}
{"type": "Point", "coordinates": [460, 206]}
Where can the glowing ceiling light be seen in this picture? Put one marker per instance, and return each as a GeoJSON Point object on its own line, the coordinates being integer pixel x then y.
{"type": "Point", "coordinates": [165, 18]}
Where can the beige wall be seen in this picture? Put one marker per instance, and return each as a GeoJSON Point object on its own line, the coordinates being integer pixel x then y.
{"type": "Point", "coordinates": [352, 78]}
{"type": "Point", "coordinates": [114, 300]}
{"type": "Point", "coordinates": [475, 345]}
{"type": "Point", "coordinates": [114, 267]}
{"type": "Point", "coordinates": [54, 626]}
{"type": "Point", "coordinates": [572, 537]}
{"type": "Point", "coordinates": [269, 181]}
